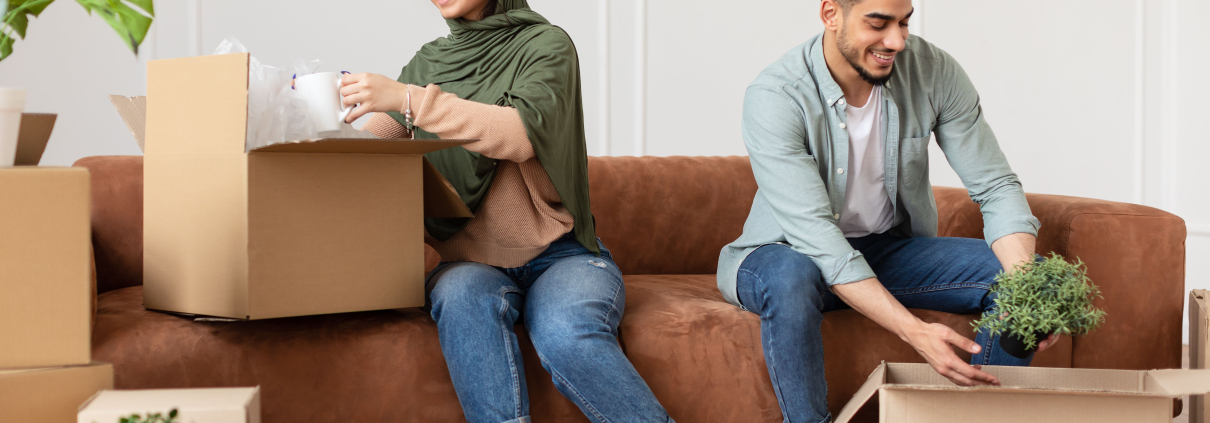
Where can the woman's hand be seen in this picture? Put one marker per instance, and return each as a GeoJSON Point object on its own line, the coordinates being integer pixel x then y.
{"type": "Point", "coordinates": [374, 93]}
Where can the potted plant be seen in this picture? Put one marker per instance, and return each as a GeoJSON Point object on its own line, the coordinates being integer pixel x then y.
{"type": "Point", "coordinates": [130, 18]}
{"type": "Point", "coordinates": [1039, 298]}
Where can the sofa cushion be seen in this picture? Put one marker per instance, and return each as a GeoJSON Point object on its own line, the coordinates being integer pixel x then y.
{"type": "Point", "coordinates": [117, 219]}
{"type": "Point", "coordinates": [703, 358]}
{"type": "Point", "coordinates": [360, 367]}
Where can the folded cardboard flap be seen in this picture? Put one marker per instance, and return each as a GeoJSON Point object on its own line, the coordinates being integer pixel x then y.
{"type": "Point", "coordinates": [1176, 382]}
{"type": "Point", "coordinates": [133, 111]}
{"type": "Point", "coordinates": [32, 137]}
{"type": "Point", "coordinates": [863, 395]}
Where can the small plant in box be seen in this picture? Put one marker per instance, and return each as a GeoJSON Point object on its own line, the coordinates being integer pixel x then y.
{"type": "Point", "coordinates": [1039, 298]}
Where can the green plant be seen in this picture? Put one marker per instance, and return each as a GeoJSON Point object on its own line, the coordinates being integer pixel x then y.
{"type": "Point", "coordinates": [1044, 296]}
{"type": "Point", "coordinates": [122, 15]}
{"type": "Point", "coordinates": [151, 418]}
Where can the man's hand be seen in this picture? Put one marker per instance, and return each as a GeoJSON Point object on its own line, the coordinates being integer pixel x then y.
{"type": "Point", "coordinates": [1013, 250]}
{"type": "Point", "coordinates": [935, 342]}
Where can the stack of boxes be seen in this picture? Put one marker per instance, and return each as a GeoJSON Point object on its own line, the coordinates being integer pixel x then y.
{"type": "Point", "coordinates": [46, 290]}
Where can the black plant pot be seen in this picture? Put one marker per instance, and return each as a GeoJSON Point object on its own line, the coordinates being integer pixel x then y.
{"type": "Point", "coordinates": [1015, 346]}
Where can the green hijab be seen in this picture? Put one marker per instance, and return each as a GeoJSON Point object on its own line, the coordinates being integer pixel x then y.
{"type": "Point", "coordinates": [517, 59]}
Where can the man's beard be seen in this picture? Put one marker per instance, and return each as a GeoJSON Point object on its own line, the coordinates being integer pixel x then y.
{"type": "Point", "coordinates": [852, 55]}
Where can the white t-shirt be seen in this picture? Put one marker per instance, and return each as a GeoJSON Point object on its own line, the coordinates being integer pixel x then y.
{"type": "Point", "coordinates": [867, 206]}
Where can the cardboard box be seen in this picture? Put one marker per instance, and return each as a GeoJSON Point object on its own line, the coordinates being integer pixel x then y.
{"type": "Point", "coordinates": [1199, 341]}
{"type": "Point", "coordinates": [315, 227]}
{"type": "Point", "coordinates": [45, 281]}
{"type": "Point", "coordinates": [32, 137]}
{"type": "Point", "coordinates": [51, 395]}
{"type": "Point", "coordinates": [209, 405]}
{"type": "Point", "coordinates": [910, 393]}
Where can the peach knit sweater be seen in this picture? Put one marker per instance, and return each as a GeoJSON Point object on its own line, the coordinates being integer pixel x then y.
{"type": "Point", "coordinates": [522, 212]}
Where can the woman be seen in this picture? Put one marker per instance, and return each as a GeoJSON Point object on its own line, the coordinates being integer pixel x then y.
{"type": "Point", "coordinates": [507, 77]}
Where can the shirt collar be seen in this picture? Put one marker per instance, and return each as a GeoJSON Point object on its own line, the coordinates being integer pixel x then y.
{"type": "Point", "coordinates": [823, 78]}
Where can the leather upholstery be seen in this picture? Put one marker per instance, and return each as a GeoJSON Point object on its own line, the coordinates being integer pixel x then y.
{"type": "Point", "coordinates": [665, 220]}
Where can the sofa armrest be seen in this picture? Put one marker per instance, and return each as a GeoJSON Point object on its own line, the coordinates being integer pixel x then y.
{"type": "Point", "coordinates": [1135, 254]}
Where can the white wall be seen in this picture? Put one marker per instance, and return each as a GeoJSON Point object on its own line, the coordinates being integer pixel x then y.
{"type": "Point", "coordinates": [1092, 98]}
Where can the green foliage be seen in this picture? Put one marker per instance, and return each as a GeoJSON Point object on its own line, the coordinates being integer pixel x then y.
{"type": "Point", "coordinates": [130, 18]}
{"type": "Point", "coordinates": [150, 418]}
{"type": "Point", "coordinates": [1045, 296]}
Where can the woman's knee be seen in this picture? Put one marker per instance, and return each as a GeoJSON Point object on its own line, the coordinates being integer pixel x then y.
{"type": "Point", "coordinates": [466, 287]}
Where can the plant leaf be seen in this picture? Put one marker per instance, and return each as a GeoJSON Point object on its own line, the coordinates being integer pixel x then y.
{"type": "Point", "coordinates": [6, 46]}
{"type": "Point", "coordinates": [130, 24]}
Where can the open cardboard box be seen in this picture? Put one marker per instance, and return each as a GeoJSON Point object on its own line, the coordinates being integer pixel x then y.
{"type": "Point", "coordinates": [205, 405]}
{"type": "Point", "coordinates": [292, 229]}
{"type": "Point", "coordinates": [45, 258]}
{"type": "Point", "coordinates": [1199, 341]}
{"type": "Point", "coordinates": [911, 393]}
{"type": "Point", "coordinates": [51, 395]}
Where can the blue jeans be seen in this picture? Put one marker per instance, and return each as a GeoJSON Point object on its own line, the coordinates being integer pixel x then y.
{"type": "Point", "coordinates": [571, 301]}
{"type": "Point", "coordinates": [785, 288]}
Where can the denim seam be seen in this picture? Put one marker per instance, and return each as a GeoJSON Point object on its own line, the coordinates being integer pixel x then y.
{"type": "Point", "coordinates": [508, 349]}
{"type": "Point", "coordinates": [569, 386]}
{"type": "Point", "coordinates": [613, 304]}
{"type": "Point", "coordinates": [934, 288]}
{"type": "Point", "coordinates": [771, 363]}
{"type": "Point", "coordinates": [986, 352]}
{"type": "Point", "coordinates": [750, 273]}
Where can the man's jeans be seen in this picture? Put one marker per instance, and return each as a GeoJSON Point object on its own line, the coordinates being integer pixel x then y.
{"type": "Point", "coordinates": [571, 301]}
{"type": "Point", "coordinates": [785, 288]}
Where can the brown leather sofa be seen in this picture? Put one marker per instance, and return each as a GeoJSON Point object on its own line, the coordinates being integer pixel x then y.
{"type": "Point", "coordinates": [665, 220]}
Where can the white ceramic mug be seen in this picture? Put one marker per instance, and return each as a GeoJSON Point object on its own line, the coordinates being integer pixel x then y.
{"type": "Point", "coordinates": [12, 103]}
{"type": "Point", "coordinates": [322, 93]}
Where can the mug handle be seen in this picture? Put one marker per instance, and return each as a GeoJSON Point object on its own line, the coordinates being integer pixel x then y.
{"type": "Point", "coordinates": [344, 113]}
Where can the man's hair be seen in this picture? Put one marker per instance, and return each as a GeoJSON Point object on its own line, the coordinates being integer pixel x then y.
{"type": "Point", "coordinates": [847, 5]}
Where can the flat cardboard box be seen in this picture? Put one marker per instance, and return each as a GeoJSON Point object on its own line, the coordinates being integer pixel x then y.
{"type": "Point", "coordinates": [51, 395]}
{"type": "Point", "coordinates": [1199, 341]}
{"type": "Point", "coordinates": [45, 281]}
{"type": "Point", "coordinates": [207, 405]}
{"type": "Point", "coordinates": [301, 228]}
{"type": "Point", "coordinates": [32, 137]}
{"type": "Point", "coordinates": [912, 393]}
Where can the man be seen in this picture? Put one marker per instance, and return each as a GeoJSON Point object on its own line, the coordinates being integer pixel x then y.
{"type": "Point", "coordinates": [838, 131]}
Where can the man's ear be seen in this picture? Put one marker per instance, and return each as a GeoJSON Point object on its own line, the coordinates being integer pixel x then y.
{"type": "Point", "coordinates": [829, 13]}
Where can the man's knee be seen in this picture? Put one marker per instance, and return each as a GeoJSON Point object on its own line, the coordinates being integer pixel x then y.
{"type": "Point", "coordinates": [790, 278]}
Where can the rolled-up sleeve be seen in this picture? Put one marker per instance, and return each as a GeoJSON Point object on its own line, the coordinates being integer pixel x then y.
{"type": "Point", "coordinates": [973, 152]}
{"type": "Point", "coordinates": [774, 133]}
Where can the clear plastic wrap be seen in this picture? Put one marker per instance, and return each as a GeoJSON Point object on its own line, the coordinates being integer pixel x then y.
{"type": "Point", "coordinates": [276, 113]}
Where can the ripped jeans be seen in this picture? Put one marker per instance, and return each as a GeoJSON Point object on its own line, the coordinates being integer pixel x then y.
{"type": "Point", "coordinates": [571, 302]}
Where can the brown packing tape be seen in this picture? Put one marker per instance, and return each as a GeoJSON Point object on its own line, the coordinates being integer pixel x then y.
{"type": "Point", "coordinates": [133, 111]}
{"type": "Point", "coordinates": [33, 136]}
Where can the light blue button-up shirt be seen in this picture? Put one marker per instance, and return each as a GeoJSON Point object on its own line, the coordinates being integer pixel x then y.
{"type": "Point", "coordinates": [793, 129]}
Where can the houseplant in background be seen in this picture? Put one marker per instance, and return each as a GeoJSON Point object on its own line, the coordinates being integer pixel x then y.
{"type": "Point", "coordinates": [130, 18]}
{"type": "Point", "coordinates": [1038, 298]}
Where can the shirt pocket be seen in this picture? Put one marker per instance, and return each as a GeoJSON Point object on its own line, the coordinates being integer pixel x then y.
{"type": "Point", "coordinates": [914, 161]}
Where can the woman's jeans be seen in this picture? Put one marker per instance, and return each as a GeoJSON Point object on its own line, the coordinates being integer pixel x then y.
{"type": "Point", "coordinates": [785, 288]}
{"type": "Point", "coordinates": [571, 302]}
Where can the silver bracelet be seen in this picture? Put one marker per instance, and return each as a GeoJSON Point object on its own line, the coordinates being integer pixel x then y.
{"type": "Point", "coordinates": [407, 114]}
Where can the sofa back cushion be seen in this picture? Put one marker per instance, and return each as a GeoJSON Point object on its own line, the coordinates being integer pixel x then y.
{"type": "Point", "coordinates": [669, 215]}
{"type": "Point", "coordinates": [117, 219]}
